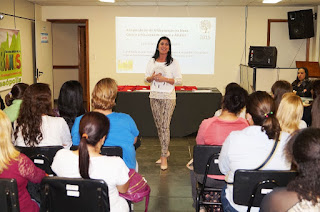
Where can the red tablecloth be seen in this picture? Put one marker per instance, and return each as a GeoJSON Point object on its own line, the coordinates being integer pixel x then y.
{"type": "Point", "coordinates": [141, 87]}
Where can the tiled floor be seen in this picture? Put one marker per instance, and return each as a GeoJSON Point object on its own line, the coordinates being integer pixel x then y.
{"type": "Point", "coordinates": [170, 189]}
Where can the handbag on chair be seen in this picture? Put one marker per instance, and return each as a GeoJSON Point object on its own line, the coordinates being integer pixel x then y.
{"type": "Point", "coordinates": [138, 189]}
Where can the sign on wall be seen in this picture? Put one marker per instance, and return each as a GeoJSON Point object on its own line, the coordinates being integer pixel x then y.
{"type": "Point", "coordinates": [10, 58]}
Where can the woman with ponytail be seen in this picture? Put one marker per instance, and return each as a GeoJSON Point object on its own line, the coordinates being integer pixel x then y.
{"type": "Point", "coordinates": [88, 163]}
{"type": "Point", "coordinates": [250, 147]}
{"type": "Point", "coordinates": [13, 101]}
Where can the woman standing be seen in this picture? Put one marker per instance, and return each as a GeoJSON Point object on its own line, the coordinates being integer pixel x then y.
{"type": "Point", "coordinates": [302, 85]}
{"type": "Point", "coordinates": [163, 72]}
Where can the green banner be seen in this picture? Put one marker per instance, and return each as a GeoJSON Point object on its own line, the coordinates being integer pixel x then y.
{"type": "Point", "coordinates": [10, 58]}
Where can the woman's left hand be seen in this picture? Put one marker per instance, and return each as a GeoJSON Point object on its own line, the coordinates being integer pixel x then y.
{"type": "Point", "coordinates": [160, 78]}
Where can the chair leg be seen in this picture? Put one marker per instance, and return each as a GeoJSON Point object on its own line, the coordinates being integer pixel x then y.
{"type": "Point", "coordinates": [198, 203]}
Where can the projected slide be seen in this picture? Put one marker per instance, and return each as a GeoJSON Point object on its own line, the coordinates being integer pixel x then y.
{"type": "Point", "coordinates": [192, 40]}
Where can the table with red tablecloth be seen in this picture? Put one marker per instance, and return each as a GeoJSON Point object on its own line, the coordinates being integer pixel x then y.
{"type": "Point", "coordinates": [193, 105]}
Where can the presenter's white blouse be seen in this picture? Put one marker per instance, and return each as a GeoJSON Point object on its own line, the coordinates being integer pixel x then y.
{"type": "Point", "coordinates": [55, 132]}
{"type": "Point", "coordinates": [163, 90]}
{"type": "Point", "coordinates": [248, 149]}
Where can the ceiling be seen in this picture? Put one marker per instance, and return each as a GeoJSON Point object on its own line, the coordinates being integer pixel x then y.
{"type": "Point", "coordinates": [174, 3]}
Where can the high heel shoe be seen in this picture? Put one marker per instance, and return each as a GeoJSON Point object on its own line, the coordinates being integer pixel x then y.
{"type": "Point", "coordinates": [164, 167]}
{"type": "Point", "coordinates": [159, 161]}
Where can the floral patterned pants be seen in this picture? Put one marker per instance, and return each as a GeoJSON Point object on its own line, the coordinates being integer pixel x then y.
{"type": "Point", "coordinates": [162, 110]}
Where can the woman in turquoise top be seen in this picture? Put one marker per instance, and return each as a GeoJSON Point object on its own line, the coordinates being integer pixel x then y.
{"type": "Point", "coordinates": [13, 100]}
{"type": "Point", "coordinates": [123, 130]}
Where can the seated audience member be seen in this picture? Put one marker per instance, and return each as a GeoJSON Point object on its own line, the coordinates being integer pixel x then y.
{"type": "Point", "coordinates": [302, 85]}
{"type": "Point", "coordinates": [250, 147]}
{"type": "Point", "coordinates": [302, 193]}
{"type": "Point", "coordinates": [290, 113]}
{"type": "Point", "coordinates": [14, 164]}
{"type": "Point", "coordinates": [242, 113]}
{"type": "Point", "coordinates": [213, 131]}
{"type": "Point", "coordinates": [86, 162]}
{"type": "Point", "coordinates": [13, 100]}
{"type": "Point", "coordinates": [315, 111]}
{"type": "Point", "coordinates": [2, 105]}
{"type": "Point", "coordinates": [35, 126]}
{"type": "Point", "coordinates": [279, 88]}
{"type": "Point", "coordinates": [70, 101]}
{"type": "Point", "coordinates": [123, 130]}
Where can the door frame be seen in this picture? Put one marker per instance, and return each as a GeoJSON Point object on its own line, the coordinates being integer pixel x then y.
{"type": "Point", "coordinates": [86, 22]}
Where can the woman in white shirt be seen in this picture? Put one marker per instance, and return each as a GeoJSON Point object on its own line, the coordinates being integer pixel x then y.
{"type": "Point", "coordinates": [88, 163]}
{"type": "Point", "coordinates": [249, 148]}
{"type": "Point", "coordinates": [163, 72]}
{"type": "Point", "coordinates": [35, 125]}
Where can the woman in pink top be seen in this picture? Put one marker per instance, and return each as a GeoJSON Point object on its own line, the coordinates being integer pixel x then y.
{"type": "Point", "coordinates": [215, 130]}
{"type": "Point", "coordinates": [17, 166]}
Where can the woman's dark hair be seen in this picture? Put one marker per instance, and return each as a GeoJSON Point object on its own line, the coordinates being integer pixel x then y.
{"type": "Point", "coordinates": [279, 88]}
{"type": "Point", "coordinates": [315, 110]}
{"type": "Point", "coordinates": [316, 89]}
{"type": "Point", "coordinates": [93, 126]}
{"type": "Point", "coordinates": [16, 92]}
{"type": "Point", "coordinates": [304, 150]}
{"type": "Point", "coordinates": [36, 102]}
{"type": "Point", "coordinates": [169, 58]}
{"type": "Point", "coordinates": [235, 99]}
{"type": "Point", "coordinates": [261, 107]}
{"type": "Point", "coordinates": [306, 71]}
{"type": "Point", "coordinates": [70, 101]}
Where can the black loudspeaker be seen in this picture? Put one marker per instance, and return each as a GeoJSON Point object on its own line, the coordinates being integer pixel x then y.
{"type": "Point", "coordinates": [300, 24]}
{"type": "Point", "coordinates": [263, 57]}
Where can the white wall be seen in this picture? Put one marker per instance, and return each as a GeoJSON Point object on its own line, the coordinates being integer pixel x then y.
{"type": "Point", "coordinates": [24, 9]}
{"type": "Point", "coordinates": [230, 37]}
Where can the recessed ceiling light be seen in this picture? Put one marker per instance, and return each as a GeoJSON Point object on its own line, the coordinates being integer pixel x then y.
{"type": "Point", "coordinates": [271, 1]}
{"type": "Point", "coordinates": [109, 1]}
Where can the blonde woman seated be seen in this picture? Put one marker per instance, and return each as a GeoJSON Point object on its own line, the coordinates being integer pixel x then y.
{"type": "Point", "coordinates": [290, 113]}
{"type": "Point", "coordinates": [88, 163]}
{"type": "Point", "coordinates": [14, 164]}
{"type": "Point", "coordinates": [123, 130]}
{"type": "Point", "coordinates": [302, 193]}
{"type": "Point", "coordinates": [36, 125]}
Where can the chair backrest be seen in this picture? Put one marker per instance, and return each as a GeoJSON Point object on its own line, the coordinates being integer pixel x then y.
{"type": "Point", "coordinates": [250, 186]}
{"type": "Point", "coordinates": [74, 194]}
{"type": "Point", "coordinates": [107, 150]}
{"type": "Point", "coordinates": [111, 151]}
{"type": "Point", "coordinates": [9, 201]}
{"type": "Point", "coordinates": [201, 156]}
{"type": "Point", "coordinates": [42, 157]}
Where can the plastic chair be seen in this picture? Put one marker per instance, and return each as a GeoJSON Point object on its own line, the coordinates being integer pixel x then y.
{"type": "Point", "coordinates": [42, 157]}
{"type": "Point", "coordinates": [107, 150]}
{"type": "Point", "coordinates": [74, 194]}
{"type": "Point", "coordinates": [250, 186]}
{"type": "Point", "coordinates": [9, 200]}
{"type": "Point", "coordinates": [205, 162]}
